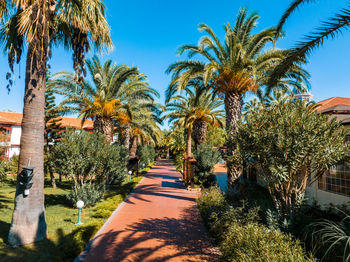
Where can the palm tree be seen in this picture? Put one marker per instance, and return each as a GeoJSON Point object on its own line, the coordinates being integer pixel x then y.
{"type": "Point", "coordinates": [144, 129]}
{"type": "Point", "coordinates": [330, 28]}
{"type": "Point", "coordinates": [37, 25]}
{"type": "Point", "coordinates": [137, 105]}
{"type": "Point", "coordinates": [232, 68]}
{"type": "Point", "coordinates": [194, 112]}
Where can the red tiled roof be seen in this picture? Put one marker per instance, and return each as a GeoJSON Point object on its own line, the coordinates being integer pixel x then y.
{"type": "Point", "coordinates": [14, 118]}
{"type": "Point", "coordinates": [333, 101]}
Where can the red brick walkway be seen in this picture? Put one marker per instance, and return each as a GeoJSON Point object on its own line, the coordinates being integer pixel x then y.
{"type": "Point", "coordinates": [158, 222]}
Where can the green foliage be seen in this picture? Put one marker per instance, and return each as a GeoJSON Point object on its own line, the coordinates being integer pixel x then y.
{"type": "Point", "coordinates": [8, 167]}
{"type": "Point", "coordinates": [147, 155]}
{"type": "Point", "coordinates": [289, 141]}
{"type": "Point", "coordinates": [240, 235]}
{"type": "Point", "coordinates": [332, 238]}
{"type": "Point", "coordinates": [86, 158]}
{"type": "Point", "coordinates": [253, 242]}
{"type": "Point", "coordinates": [178, 162]}
{"type": "Point", "coordinates": [3, 169]}
{"type": "Point", "coordinates": [211, 200]}
{"type": "Point", "coordinates": [89, 193]}
{"type": "Point", "coordinates": [206, 158]}
{"type": "Point", "coordinates": [74, 243]}
{"type": "Point", "coordinates": [216, 136]}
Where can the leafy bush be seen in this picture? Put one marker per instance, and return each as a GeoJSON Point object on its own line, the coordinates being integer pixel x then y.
{"type": "Point", "coordinates": [207, 158]}
{"type": "Point", "coordinates": [253, 242]}
{"type": "Point", "coordinates": [211, 200]}
{"type": "Point", "coordinates": [240, 236]}
{"type": "Point", "coordinates": [289, 140]}
{"type": "Point", "coordinates": [221, 221]}
{"type": "Point", "coordinates": [89, 193]}
{"type": "Point", "coordinates": [3, 169]}
{"type": "Point", "coordinates": [178, 162]}
{"type": "Point", "coordinates": [86, 158]}
{"type": "Point", "coordinates": [147, 154]}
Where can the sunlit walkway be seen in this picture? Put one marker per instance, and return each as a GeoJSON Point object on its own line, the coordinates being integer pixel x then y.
{"type": "Point", "coordinates": [159, 222]}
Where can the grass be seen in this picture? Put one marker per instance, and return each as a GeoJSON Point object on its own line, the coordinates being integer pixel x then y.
{"type": "Point", "coordinates": [65, 240]}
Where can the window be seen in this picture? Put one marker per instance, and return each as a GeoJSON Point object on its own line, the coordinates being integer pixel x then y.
{"type": "Point", "coordinates": [337, 179]}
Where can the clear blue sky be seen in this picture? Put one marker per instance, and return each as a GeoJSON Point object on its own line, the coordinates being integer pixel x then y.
{"type": "Point", "coordinates": [147, 34]}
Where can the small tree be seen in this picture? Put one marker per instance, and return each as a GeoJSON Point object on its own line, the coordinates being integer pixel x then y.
{"type": "Point", "coordinates": [292, 144]}
{"type": "Point", "coordinates": [86, 159]}
{"type": "Point", "coordinates": [206, 158]}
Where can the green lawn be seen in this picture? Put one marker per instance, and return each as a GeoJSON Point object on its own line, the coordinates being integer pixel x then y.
{"type": "Point", "coordinates": [65, 240]}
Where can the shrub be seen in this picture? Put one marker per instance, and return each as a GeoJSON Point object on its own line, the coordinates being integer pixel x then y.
{"type": "Point", "coordinates": [89, 193]}
{"type": "Point", "coordinates": [211, 200]}
{"type": "Point", "coordinates": [253, 242]}
{"type": "Point", "coordinates": [207, 158]}
{"type": "Point", "coordinates": [178, 162]}
{"type": "Point", "coordinates": [3, 169]}
{"type": "Point", "coordinates": [331, 239]}
{"type": "Point", "coordinates": [221, 221]}
{"type": "Point", "coordinates": [86, 158]}
{"type": "Point", "coordinates": [289, 140]}
{"type": "Point", "coordinates": [147, 154]}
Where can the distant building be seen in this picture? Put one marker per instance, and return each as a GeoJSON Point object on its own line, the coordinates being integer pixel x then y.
{"type": "Point", "coordinates": [10, 125]}
{"type": "Point", "coordinates": [334, 186]}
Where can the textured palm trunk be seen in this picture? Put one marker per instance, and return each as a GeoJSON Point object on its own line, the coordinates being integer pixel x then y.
{"type": "Point", "coordinates": [105, 126]}
{"type": "Point", "coordinates": [188, 143]}
{"type": "Point", "coordinates": [28, 220]}
{"type": "Point", "coordinates": [127, 136]}
{"type": "Point", "coordinates": [199, 133]}
{"type": "Point", "coordinates": [52, 177]}
{"type": "Point", "coordinates": [133, 149]}
{"type": "Point", "coordinates": [233, 107]}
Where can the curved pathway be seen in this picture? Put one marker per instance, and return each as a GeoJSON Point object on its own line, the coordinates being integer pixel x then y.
{"type": "Point", "coordinates": [158, 222]}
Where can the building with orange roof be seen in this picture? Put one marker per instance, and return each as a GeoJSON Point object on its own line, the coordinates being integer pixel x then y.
{"type": "Point", "coordinates": [10, 125]}
{"type": "Point", "coordinates": [334, 186]}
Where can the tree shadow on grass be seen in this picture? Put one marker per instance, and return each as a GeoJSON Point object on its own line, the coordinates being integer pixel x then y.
{"type": "Point", "coordinates": [160, 239]}
{"type": "Point", "coordinates": [64, 248]}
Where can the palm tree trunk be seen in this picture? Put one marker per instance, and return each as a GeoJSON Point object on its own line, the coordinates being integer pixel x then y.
{"type": "Point", "coordinates": [200, 129]}
{"type": "Point", "coordinates": [127, 136]}
{"type": "Point", "coordinates": [133, 148]}
{"type": "Point", "coordinates": [28, 220]}
{"type": "Point", "coordinates": [104, 125]}
{"type": "Point", "coordinates": [98, 124]}
{"type": "Point", "coordinates": [52, 177]}
{"type": "Point", "coordinates": [188, 143]}
{"type": "Point", "coordinates": [233, 107]}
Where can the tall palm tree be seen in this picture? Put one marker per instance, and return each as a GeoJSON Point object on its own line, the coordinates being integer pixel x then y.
{"type": "Point", "coordinates": [330, 28]}
{"type": "Point", "coordinates": [238, 65]}
{"type": "Point", "coordinates": [144, 129]}
{"type": "Point", "coordinates": [194, 112]}
{"type": "Point", "coordinates": [37, 25]}
{"type": "Point", "coordinates": [105, 99]}
{"type": "Point", "coordinates": [136, 106]}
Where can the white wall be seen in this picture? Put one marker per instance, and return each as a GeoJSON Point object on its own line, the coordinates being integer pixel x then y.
{"type": "Point", "coordinates": [16, 132]}
{"type": "Point", "coordinates": [13, 151]}
{"type": "Point", "coordinates": [324, 198]}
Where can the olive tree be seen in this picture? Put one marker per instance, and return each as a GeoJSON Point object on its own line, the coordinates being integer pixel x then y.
{"type": "Point", "coordinates": [86, 159]}
{"type": "Point", "coordinates": [291, 144]}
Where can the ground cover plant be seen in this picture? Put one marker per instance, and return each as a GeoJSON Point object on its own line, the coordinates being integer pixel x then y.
{"type": "Point", "coordinates": [65, 240]}
{"type": "Point", "coordinates": [240, 233]}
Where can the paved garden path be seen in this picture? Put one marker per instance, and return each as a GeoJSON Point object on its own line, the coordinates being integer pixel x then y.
{"type": "Point", "coordinates": [158, 222]}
